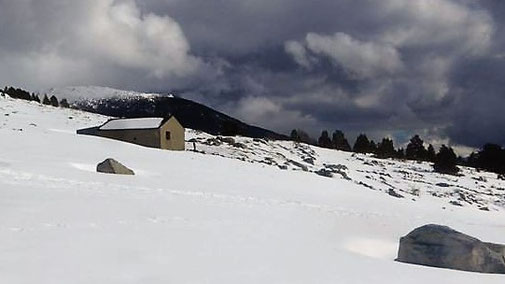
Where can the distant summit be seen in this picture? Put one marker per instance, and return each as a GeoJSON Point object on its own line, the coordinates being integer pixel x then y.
{"type": "Point", "coordinates": [79, 93]}
{"type": "Point", "coordinates": [130, 104]}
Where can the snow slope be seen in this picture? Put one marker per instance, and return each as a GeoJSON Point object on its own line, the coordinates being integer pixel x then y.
{"type": "Point", "coordinates": [191, 217]}
{"type": "Point", "coordinates": [400, 179]}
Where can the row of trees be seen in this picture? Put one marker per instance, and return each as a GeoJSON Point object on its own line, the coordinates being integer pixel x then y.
{"type": "Point", "coordinates": [17, 93]}
{"type": "Point", "coordinates": [490, 158]}
{"type": "Point", "coordinates": [385, 149]}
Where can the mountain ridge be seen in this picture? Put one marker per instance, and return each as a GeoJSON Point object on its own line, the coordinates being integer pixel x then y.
{"type": "Point", "coordinates": [130, 104]}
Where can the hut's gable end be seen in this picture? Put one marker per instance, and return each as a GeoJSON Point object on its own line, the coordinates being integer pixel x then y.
{"type": "Point", "coordinates": [172, 135]}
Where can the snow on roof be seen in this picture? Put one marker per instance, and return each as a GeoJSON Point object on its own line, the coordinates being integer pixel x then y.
{"type": "Point", "coordinates": [132, 123]}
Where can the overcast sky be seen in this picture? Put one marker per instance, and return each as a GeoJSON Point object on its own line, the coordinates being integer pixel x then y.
{"type": "Point", "coordinates": [388, 67]}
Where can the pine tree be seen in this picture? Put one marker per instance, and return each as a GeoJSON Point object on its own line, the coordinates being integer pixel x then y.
{"type": "Point", "coordinates": [362, 145]}
{"type": "Point", "coordinates": [294, 135]}
{"type": "Point", "coordinates": [64, 103]}
{"type": "Point", "coordinates": [46, 100]}
{"type": "Point", "coordinates": [54, 101]}
{"type": "Point", "coordinates": [299, 135]}
{"type": "Point", "coordinates": [491, 158]}
{"type": "Point", "coordinates": [325, 141]}
{"type": "Point", "coordinates": [415, 149]}
{"type": "Point", "coordinates": [305, 137]}
{"type": "Point", "coordinates": [372, 148]}
{"type": "Point", "coordinates": [445, 161]}
{"type": "Point", "coordinates": [430, 154]}
{"type": "Point", "coordinates": [386, 149]}
{"type": "Point", "coordinates": [340, 142]}
{"type": "Point", "coordinates": [35, 98]}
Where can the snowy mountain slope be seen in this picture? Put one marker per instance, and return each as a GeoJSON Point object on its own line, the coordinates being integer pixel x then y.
{"type": "Point", "coordinates": [400, 179]}
{"type": "Point", "coordinates": [188, 217]}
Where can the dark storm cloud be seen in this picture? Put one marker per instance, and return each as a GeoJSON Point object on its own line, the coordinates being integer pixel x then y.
{"type": "Point", "coordinates": [391, 67]}
{"type": "Point", "coordinates": [478, 115]}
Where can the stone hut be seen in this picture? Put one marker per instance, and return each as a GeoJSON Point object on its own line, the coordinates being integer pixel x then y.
{"type": "Point", "coordinates": [154, 132]}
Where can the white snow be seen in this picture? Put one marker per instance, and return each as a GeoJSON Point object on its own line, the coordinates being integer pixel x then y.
{"type": "Point", "coordinates": [413, 180]}
{"type": "Point", "coordinates": [192, 217]}
{"type": "Point", "coordinates": [133, 123]}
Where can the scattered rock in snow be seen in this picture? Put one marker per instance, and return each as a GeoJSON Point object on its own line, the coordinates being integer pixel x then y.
{"type": "Point", "coordinates": [393, 193]}
{"type": "Point", "coordinates": [441, 246]}
{"type": "Point", "coordinates": [309, 160]}
{"type": "Point", "coordinates": [371, 163]}
{"type": "Point", "coordinates": [227, 140]}
{"type": "Point", "coordinates": [455, 203]}
{"type": "Point", "coordinates": [239, 145]}
{"type": "Point", "coordinates": [366, 185]}
{"type": "Point", "coordinates": [480, 178]}
{"type": "Point", "coordinates": [466, 197]}
{"type": "Point", "coordinates": [260, 140]}
{"type": "Point", "coordinates": [300, 165]}
{"type": "Point", "coordinates": [213, 142]}
{"type": "Point", "coordinates": [324, 173]}
{"type": "Point", "coordinates": [330, 169]}
{"type": "Point", "coordinates": [415, 191]}
{"type": "Point", "coordinates": [111, 166]}
{"type": "Point", "coordinates": [338, 167]}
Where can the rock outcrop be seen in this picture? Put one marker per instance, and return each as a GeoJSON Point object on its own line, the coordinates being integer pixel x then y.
{"type": "Point", "coordinates": [111, 166]}
{"type": "Point", "coordinates": [440, 246]}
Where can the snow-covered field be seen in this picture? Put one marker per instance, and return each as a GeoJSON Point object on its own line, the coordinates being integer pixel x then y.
{"type": "Point", "coordinates": [242, 211]}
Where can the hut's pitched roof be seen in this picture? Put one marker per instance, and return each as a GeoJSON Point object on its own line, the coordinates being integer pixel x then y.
{"type": "Point", "coordinates": [133, 123]}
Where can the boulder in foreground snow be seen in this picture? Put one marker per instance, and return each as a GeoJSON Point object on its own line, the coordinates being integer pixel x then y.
{"type": "Point", "coordinates": [441, 246]}
{"type": "Point", "coordinates": [111, 166]}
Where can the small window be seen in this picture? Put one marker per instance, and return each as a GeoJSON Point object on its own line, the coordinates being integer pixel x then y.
{"type": "Point", "coordinates": [168, 135]}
